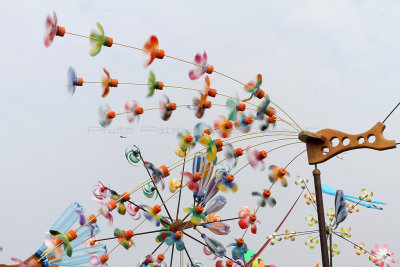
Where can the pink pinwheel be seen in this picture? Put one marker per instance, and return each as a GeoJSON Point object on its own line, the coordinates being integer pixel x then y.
{"type": "Point", "coordinates": [202, 66]}
{"type": "Point", "coordinates": [106, 208]}
{"type": "Point", "coordinates": [134, 211]}
{"type": "Point", "coordinates": [256, 157]}
{"type": "Point", "coordinates": [52, 29]}
{"type": "Point", "coordinates": [382, 255]}
{"type": "Point", "coordinates": [248, 219]}
{"type": "Point", "coordinates": [194, 179]}
{"type": "Point", "coordinates": [96, 260]}
{"type": "Point", "coordinates": [100, 191]}
{"type": "Point", "coordinates": [133, 109]}
{"type": "Point", "coordinates": [230, 263]}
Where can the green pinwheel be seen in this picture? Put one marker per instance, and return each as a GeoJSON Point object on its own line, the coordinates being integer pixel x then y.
{"type": "Point", "coordinates": [153, 84]}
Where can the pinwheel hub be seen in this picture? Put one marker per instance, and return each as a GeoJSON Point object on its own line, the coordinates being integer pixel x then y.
{"type": "Point", "coordinates": [180, 226]}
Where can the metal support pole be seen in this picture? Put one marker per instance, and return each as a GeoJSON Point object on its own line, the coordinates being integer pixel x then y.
{"type": "Point", "coordinates": [321, 217]}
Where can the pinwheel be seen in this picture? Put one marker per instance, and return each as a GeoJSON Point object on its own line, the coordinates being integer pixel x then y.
{"type": "Point", "coordinates": [227, 183]}
{"type": "Point", "coordinates": [274, 237]}
{"type": "Point", "coordinates": [98, 39]}
{"type": "Point", "coordinates": [254, 89]}
{"type": "Point", "coordinates": [199, 107]}
{"type": "Point", "coordinates": [106, 208]}
{"type": "Point", "coordinates": [186, 140]}
{"type": "Point", "coordinates": [152, 261]}
{"type": "Point", "coordinates": [197, 214]}
{"type": "Point", "coordinates": [149, 190]}
{"type": "Point", "coordinates": [301, 182]}
{"type": "Point", "coordinates": [180, 152]}
{"type": "Point", "coordinates": [105, 115]}
{"type": "Point", "coordinates": [262, 109]}
{"type": "Point", "coordinates": [229, 263]}
{"type": "Point", "coordinates": [265, 198]}
{"type": "Point", "coordinates": [218, 228]}
{"type": "Point", "coordinates": [73, 81]}
{"type": "Point", "coordinates": [193, 183]}
{"type": "Point", "coordinates": [310, 198]}
{"type": "Point", "coordinates": [311, 242]}
{"type": "Point", "coordinates": [90, 222]}
{"type": "Point", "coordinates": [247, 220]}
{"type": "Point", "coordinates": [234, 106]}
{"type": "Point", "coordinates": [200, 129]}
{"type": "Point", "coordinates": [345, 232]}
{"type": "Point", "coordinates": [223, 126]}
{"type": "Point", "coordinates": [239, 249]}
{"type": "Point", "coordinates": [211, 150]}
{"type": "Point", "coordinates": [360, 249]}
{"type": "Point", "coordinates": [208, 252]}
{"type": "Point", "coordinates": [202, 66]}
{"type": "Point", "coordinates": [134, 211]}
{"type": "Point", "coordinates": [174, 184]}
{"type": "Point", "coordinates": [215, 205]}
{"type": "Point", "coordinates": [268, 121]}
{"type": "Point", "coordinates": [52, 29]}
{"type": "Point", "coordinates": [243, 122]}
{"type": "Point", "coordinates": [256, 157]}
{"type": "Point", "coordinates": [107, 82]}
{"type": "Point", "coordinates": [152, 214]}
{"type": "Point", "coordinates": [52, 245]}
{"type": "Point", "coordinates": [175, 238]}
{"type": "Point", "coordinates": [124, 237]}
{"type": "Point", "coordinates": [311, 220]}
{"type": "Point", "coordinates": [382, 255]}
{"type": "Point", "coordinates": [331, 214]}
{"type": "Point", "coordinates": [120, 199]}
{"type": "Point", "coordinates": [352, 208]}
{"type": "Point", "coordinates": [340, 207]}
{"type": "Point", "coordinates": [96, 260]}
{"type": "Point", "coordinates": [153, 84]}
{"type": "Point", "coordinates": [335, 250]}
{"type": "Point", "coordinates": [166, 108]}
{"type": "Point", "coordinates": [65, 239]}
{"type": "Point", "coordinates": [277, 173]}
{"type": "Point", "coordinates": [100, 191]}
{"type": "Point", "coordinates": [151, 48]}
{"type": "Point", "coordinates": [134, 110]}
{"type": "Point", "coordinates": [366, 195]}
{"type": "Point", "coordinates": [132, 155]}
{"type": "Point", "coordinates": [232, 155]}
{"type": "Point", "coordinates": [157, 175]}
{"type": "Point", "coordinates": [214, 246]}
{"type": "Point", "coordinates": [290, 235]}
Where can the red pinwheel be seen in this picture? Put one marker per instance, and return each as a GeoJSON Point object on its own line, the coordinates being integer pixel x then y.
{"type": "Point", "coordinates": [193, 183]}
{"type": "Point", "coordinates": [256, 157]}
{"type": "Point", "coordinates": [100, 191]}
{"type": "Point", "coordinates": [134, 211]}
{"type": "Point", "coordinates": [151, 48]}
{"type": "Point", "coordinates": [107, 82]}
{"type": "Point", "coordinates": [200, 104]}
{"type": "Point", "coordinates": [202, 66]}
{"type": "Point", "coordinates": [278, 174]}
{"type": "Point", "coordinates": [247, 219]}
{"type": "Point", "coordinates": [96, 260]}
{"type": "Point", "coordinates": [52, 29]}
{"type": "Point", "coordinates": [134, 110]}
{"type": "Point", "coordinates": [166, 108]}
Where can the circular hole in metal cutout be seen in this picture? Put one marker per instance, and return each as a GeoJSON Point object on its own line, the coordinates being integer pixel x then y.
{"type": "Point", "coordinates": [345, 141]}
{"type": "Point", "coordinates": [360, 140]}
{"type": "Point", "coordinates": [334, 141]}
{"type": "Point", "coordinates": [325, 150]}
{"type": "Point", "coordinates": [371, 138]}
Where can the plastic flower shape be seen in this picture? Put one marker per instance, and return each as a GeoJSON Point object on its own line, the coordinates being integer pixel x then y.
{"type": "Point", "coordinates": [360, 249]}
{"type": "Point", "coordinates": [310, 198]}
{"type": "Point", "coordinates": [197, 214]}
{"type": "Point", "coordinates": [186, 140]}
{"type": "Point", "coordinates": [290, 235]}
{"type": "Point", "coordinates": [107, 82]}
{"type": "Point", "coordinates": [366, 195]}
{"type": "Point", "coordinates": [265, 198]}
{"type": "Point", "coordinates": [335, 250]}
{"type": "Point", "coordinates": [301, 182]}
{"type": "Point", "coordinates": [52, 29]}
{"type": "Point", "coordinates": [91, 220]}
{"type": "Point", "coordinates": [352, 207]}
{"type": "Point", "coordinates": [203, 67]}
{"type": "Point", "coordinates": [149, 190]}
{"type": "Point", "coordinates": [65, 240]}
{"type": "Point", "coordinates": [211, 150]}
{"type": "Point", "coordinates": [152, 214]}
{"type": "Point", "coordinates": [174, 184]}
{"type": "Point", "coordinates": [262, 109]}
{"type": "Point", "coordinates": [98, 39]}
{"type": "Point", "coordinates": [124, 237]}
{"type": "Point", "coordinates": [331, 214]}
{"type": "Point", "coordinates": [100, 191]}
{"type": "Point", "coordinates": [106, 208]}
{"type": "Point", "coordinates": [244, 122]}
{"type": "Point", "coordinates": [134, 211]}
{"type": "Point", "coordinates": [382, 255]}
{"type": "Point", "coordinates": [232, 155]}
{"type": "Point", "coordinates": [256, 157]}
{"type": "Point", "coordinates": [123, 198]}
{"type": "Point", "coordinates": [213, 217]}
{"type": "Point", "coordinates": [234, 106]}
{"type": "Point", "coordinates": [254, 88]}
{"type": "Point", "coordinates": [153, 84]}
{"type": "Point", "coordinates": [132, 155]}
{"type": "Point", "coordinates": [223, 126]}
{"type": "Point", "coordinates": [151, 48]}
{"type": "Point", "coordinates": [277, 173]}
{"type": "Point", "coordinates": [175, 238]}
{"type": "Point", "coordinates": [227, 183]}
{"type": "Point", "coordinates": [155, 174]}
{"type": "Point", "coordinates": [105, 115]}
{"type": "Point", "coordinates": [73, 81]}
{"type": "Point", "coordinates": [96, 260]}
{"type": "Point", "coordinates": [214, 246]}
{"type": "Point", "coordinates": [166, 108]}
{"type": "Point", "coordinates": [134, 110]}
{"type": "Point", "coordinates": [239, 249]}
{"type": "Point", "coordinates": [311, 220]}
{"type": "Point", "coordinates": [247, 220]}
{"type": "Point", "coordinates": [193, 183]}
{"type": "Point", "coordinates": [218, 228]}
{"type": "Point", "coordinates": [152, 261]}
{"type": "Point", "coordinates": [311, 242]}
{"type": "Point", "coordinates": [274, 237]}
{"type": "Point", "coordinates": [345, 232]}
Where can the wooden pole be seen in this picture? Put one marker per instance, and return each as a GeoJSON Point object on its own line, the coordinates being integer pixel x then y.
{"type": "Point", "coordinates": [321, 217]}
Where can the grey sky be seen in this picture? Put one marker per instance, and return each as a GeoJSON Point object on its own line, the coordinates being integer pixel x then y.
{"type": "Point", "coordinates": [329, 64]}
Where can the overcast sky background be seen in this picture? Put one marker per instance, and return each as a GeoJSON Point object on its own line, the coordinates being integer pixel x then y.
{"type": "Point", "coordinates": [329, 64]}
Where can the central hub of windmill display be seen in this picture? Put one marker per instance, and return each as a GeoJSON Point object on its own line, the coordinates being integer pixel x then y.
{"type": "Point", "coordinates": [179, 226]}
